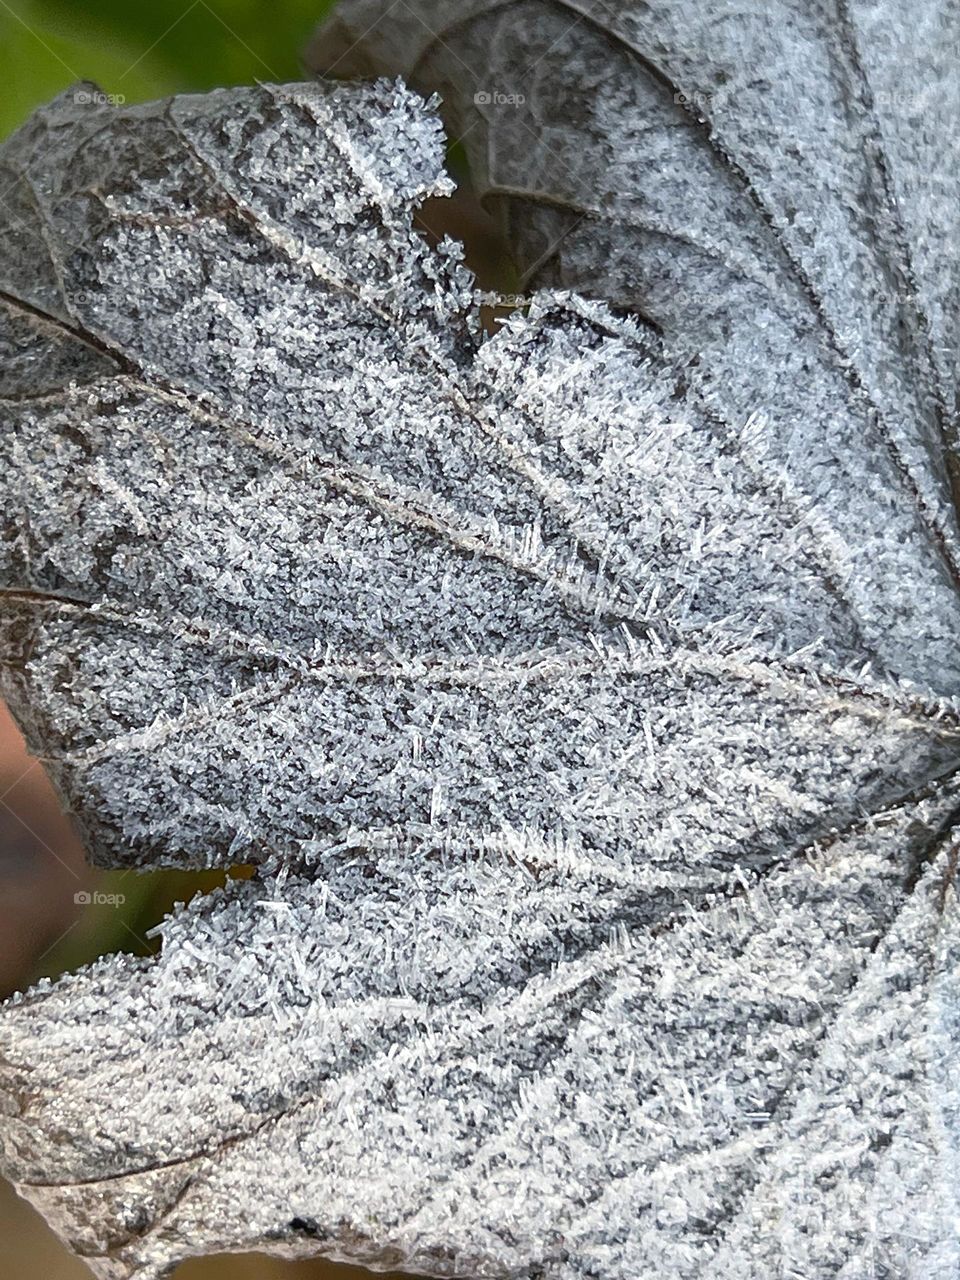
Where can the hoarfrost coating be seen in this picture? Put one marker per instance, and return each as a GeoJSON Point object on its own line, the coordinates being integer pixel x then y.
{"type": "Point", "coordinates": [596, 735]}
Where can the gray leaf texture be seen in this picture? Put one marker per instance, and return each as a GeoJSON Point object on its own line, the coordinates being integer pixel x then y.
{"type": "Point", "coordinates": [602, 783]}
{"type": "Point", "coordinates": [770, 182]}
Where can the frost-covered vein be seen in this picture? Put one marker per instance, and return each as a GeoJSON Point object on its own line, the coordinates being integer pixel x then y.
{"type": "Point", "coordinates": [409, 508]}
{"type": "Point", "coordinates": [898, 244]}
{"type": "Point", "coordinates": [415, 509]}
{"type": "Point", "coordinates": [850, 65]}
{"type": "Point", "coordinates": [548, 489]}
{"type": "Point", "coordinates": [738, 267]}
{"type": "Point", "coordinates": [489, 675]}
{"type": "Point", "coordinates": [932, 520]}
{"type": "Point", "coordinates": [75, 331]}
{"type": "Point", "coordinates": [379, 1011]}
{"type": "Point", "coordinates": [458, 394]}
{"type": "Point", "coordinates": [372, 487]}
{"type": "Point", "coordinates": [773, 481]}
{"type": "Point", "coordinates": [758, 1145]}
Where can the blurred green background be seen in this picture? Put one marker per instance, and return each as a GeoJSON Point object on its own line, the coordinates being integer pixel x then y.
{"type": "Point", "coordinates": [146, 50]}
{"type": "Point", "coordinates": [136, 52]}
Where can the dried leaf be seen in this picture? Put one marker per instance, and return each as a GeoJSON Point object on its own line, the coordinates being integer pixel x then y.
{"type": "Point", "coordinates": [602, 785]}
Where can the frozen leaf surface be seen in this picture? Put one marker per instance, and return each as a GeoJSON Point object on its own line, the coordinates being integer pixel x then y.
{"type": "Point", "coordinates": [602, 785]}
{"type": "Point", "coordinates": [767, 182]}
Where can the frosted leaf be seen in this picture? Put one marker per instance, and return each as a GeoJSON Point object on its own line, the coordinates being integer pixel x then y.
{"type": "Point", "coordinates": [770, 183]}
{"type": "Point", "coordinates": [601, 796]}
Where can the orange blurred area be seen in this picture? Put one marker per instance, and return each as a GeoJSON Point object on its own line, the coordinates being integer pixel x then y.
{"type": "Point", "coordinates": [41, 863]}
{"type": "Point", "coordinates": [44, 930]}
